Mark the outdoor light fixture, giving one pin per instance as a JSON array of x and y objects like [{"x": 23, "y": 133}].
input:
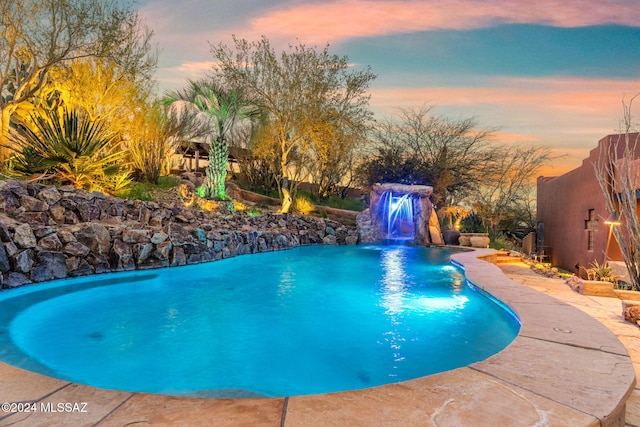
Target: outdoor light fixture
[{"x": 612, "y": 220}]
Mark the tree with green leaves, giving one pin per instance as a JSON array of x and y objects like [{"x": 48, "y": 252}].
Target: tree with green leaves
[
  {"x": 218, "y": 111},
  {"x": 39, "y": 35},
  {"x": 302, "y": 92}
]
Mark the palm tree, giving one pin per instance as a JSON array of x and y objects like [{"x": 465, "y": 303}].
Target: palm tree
[{"x": 218, "y": 110}]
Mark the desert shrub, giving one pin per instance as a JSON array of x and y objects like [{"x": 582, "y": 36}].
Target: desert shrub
[
  {"x": 70, "y": 148},
  {"x": 472, "y": 223},
  {"x": 303, "y": 205},
  {"x": 601, "y": 272}
]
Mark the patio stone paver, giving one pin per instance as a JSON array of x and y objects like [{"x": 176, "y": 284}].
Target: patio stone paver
[
  {"x": 462, "y": 397},
  {"x": 18, "y": 385},
  {"x": 607, "y": 311},
  {"x": 81, "y": 406},
  {"x": 593, "y": 378},
  {"x": 148, "y": 409}
]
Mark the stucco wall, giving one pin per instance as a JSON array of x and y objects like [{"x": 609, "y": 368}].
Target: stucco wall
[{"x": 563, "y": 206}]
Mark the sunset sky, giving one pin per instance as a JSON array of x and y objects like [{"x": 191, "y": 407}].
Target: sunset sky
[{"x": 551, "y": 72}]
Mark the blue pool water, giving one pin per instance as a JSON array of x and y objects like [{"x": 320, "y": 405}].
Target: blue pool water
[{"x": 308, "y": 320}]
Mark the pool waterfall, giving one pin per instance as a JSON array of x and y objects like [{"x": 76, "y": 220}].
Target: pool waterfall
[
  {"x": 400, "y": 213},
  {"x": 397, "y": 212}
]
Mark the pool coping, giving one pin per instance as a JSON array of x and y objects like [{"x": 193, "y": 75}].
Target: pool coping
[{"x": 563, "y": 368}]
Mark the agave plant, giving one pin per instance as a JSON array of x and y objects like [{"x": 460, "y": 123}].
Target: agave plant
[
  {"x": 68, "y": 147},
  {"x": 602, "y": 272}
]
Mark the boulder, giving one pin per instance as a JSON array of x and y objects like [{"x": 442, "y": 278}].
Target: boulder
[
  {"x": 142, "y": 251},
  {"x": 95, "y": 237},
  {"x": 4, "y": 233},
  {"x": 76, "y": 249},
  {"x": 31, "y": 204},
  {"x": 121, "y": 256},
  {"x": 4, "y": 260},
  {"x": 178, "y": 234},
  {"x": 50, "y": 266},
  {"x": 50, "y": 243},
  {"x": 631, "y": 311},
  {"x": 81, "y": 268},
  {"x": 49, "y": 195},
  {"x": 178, "y": 256},
  {"x": 159, "y": 237},
  {"x": 136, "y": 236},
  {"x": 163, "y": 250},
  {"x": 23, "y": 261},
  {"x": 23, "y": 237},
  {"x": 15, "y": 279},
  {"x": 57, "y": 214}
]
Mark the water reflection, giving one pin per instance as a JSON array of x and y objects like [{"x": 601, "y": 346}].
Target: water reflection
[
  {"x": 393, "y": 280},
  {"x": 287, "y": 282},
  {"x": 403, "y": 295},
  {"x": 394, "y": 289}
]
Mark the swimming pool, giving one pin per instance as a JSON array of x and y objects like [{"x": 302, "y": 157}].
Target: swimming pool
[{"x": 307, "y": 320}]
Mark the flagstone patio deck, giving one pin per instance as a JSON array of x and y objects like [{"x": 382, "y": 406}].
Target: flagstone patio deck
[{"x": 567, "y": 367}]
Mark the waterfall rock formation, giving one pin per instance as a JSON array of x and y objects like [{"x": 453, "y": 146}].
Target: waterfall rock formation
[{"x": 400, "y": 212}]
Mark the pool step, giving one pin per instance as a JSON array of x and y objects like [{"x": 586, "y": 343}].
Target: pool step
[{"x": 508, "y": 257}]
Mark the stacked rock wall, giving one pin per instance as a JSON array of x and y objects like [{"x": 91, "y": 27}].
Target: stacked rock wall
[{"x": 51, "y": 233}]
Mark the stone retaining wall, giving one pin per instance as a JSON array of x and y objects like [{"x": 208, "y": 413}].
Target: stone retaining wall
[{"x": 51, "y": 233}]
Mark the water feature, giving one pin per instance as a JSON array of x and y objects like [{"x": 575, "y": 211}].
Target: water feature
[
  {"x": 400, "y": 212},
  {"x": 307, "y": 320},
  {"x": 397, "y": 214}
]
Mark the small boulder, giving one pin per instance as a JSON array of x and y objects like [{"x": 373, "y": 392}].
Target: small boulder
[
  {"x": 23, "y": 237},
  {"x": 31, "y": 204},
  {"x": 50, "y": 266}
]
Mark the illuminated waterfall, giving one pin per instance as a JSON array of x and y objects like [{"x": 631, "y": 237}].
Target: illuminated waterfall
[{"x": 398, "y": 216}]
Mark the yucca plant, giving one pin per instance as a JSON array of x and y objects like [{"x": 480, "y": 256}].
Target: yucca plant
[
  {"x": 68, "y": 147},
  {"x": 602, "y": 272}
]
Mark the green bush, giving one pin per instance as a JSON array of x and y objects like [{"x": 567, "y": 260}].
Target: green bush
[
  {"x": 601, "y": 272},
  {"x": 144, "y": 190},
  {"x": 168, "y": 181},
  {"x": 347, "y": 203},
  {"x": 500, "y": 243},
  {"x": 472, "y": 223},
  {"x": 136, "y": 191}
]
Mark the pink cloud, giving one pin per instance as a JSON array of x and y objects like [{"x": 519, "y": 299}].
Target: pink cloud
[
  {"x": 568, "y": 114},
  {"x": 338, "y": 20},
  {"x": 192, "y": 68},
  {"x": 561, "y": 94}
]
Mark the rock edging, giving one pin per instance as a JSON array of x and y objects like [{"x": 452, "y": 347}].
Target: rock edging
[{"x": 51, "y": 233}]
